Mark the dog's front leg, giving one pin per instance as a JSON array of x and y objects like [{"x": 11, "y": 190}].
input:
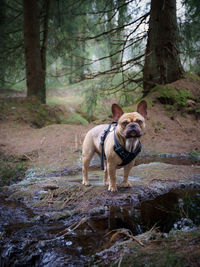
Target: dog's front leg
[
  {"x": 112, "y": 177},
  {"x": 127, "y": 169},
  {"x": 105, "y": 178}
]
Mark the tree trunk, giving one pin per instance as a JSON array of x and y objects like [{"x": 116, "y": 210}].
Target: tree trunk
[
  {"x": 110, "y": 25},
  {"x": 35, "y": 74},
  {"x": 45, "y": 34},
  {"x": 71, "y": 70},
  {"x": 2, "y": 43},
  {"x": 44, "y": 42},
  {"x": 162, "y": 63}
]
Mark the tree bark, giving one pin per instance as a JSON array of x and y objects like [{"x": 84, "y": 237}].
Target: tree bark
[
  {"x": 2, "y": 43},
  {"x": 45, "y": 39},
  {"x": 162, "y": 63},
  {"x": 35, "y": 73}
]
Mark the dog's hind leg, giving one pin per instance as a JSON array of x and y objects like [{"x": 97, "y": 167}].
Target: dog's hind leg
[
  {"x": 87, "y": 154},
  {"x": 86, "y": 158},
  {"x": 86, "y": 162}
]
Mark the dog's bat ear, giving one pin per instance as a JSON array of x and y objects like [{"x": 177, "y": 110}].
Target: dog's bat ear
[
  {"x": 142, "y": 108},
  {"x": 117, "y": 112}
]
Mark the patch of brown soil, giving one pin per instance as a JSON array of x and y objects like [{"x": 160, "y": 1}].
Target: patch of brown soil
[
  {"x": 49, "y": 145},
  {"x": 175, "y": 134},
  {"x": 188, "y": 84}
]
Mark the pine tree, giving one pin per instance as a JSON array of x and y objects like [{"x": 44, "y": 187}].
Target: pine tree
[
  {"x": 35, "y": 54},
  {"x": 162, "y": 64}
]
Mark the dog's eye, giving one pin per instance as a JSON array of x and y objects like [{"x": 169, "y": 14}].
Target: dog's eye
[
  {"x": 124, "y": 123},
  {"x": 139, "y": 122}
]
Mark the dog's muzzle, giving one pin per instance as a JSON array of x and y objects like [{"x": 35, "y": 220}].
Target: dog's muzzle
[{"x": 133, "y": 130}]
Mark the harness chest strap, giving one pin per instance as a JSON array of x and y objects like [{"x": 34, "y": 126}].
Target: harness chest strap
[{"x": 125, "y": 155}]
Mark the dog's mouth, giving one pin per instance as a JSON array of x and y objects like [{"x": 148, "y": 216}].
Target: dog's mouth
[{"x": 133, "y": 133}]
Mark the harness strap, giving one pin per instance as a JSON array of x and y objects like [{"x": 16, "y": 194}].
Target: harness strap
[
  {"x": 125, "y": 155},
  {"x": 103, "y": 137}
]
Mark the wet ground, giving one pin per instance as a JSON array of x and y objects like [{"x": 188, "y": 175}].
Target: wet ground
[
  {"x": 27, "y": 241},
  {"x": 174, "y": 159},
  {"x": 52, "y": 220}
]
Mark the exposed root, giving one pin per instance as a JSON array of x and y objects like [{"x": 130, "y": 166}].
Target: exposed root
[{"x": 125, "y": 232}]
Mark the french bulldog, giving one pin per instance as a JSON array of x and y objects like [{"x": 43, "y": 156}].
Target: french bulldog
[{"x": 128, "y": 130}]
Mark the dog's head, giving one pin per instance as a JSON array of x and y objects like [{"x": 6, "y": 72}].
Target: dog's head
[{"x": 130, "y": 125}]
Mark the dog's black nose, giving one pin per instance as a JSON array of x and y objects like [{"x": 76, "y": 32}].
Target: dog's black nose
[{"x": 132, "y": 126}]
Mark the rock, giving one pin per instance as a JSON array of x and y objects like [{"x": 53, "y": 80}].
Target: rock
[
  {"x": 191, "y": 103},
  {"x": 50, "y": 187}
]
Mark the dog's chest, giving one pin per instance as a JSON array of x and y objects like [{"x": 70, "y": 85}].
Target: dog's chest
[{"x": 131, "y": 144}]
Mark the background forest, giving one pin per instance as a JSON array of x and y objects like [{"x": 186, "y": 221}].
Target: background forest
[
  {"x": 63, "y": 63},
  {"x": 120, "y": 46}
]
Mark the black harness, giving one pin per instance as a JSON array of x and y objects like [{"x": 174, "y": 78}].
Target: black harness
[{"x": 125, "y": 155}]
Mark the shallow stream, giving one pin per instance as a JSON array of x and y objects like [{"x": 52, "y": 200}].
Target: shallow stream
[{"x": 26, "y": 241}]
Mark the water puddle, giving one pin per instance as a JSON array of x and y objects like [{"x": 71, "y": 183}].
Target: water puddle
[
  {"x": 13, "y": 211},
  {"x": 176, "y": 210},
  {"x": 174, "y": 159},
  {"x": 27, "y": 242}
]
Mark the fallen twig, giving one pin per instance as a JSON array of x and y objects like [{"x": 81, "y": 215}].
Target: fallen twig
[
  {"x": 28, "y": 157},
  {"x": 125, "y": 232},
  {"x": 69, "y": 230},
  {"x": 120, "y": 260}
]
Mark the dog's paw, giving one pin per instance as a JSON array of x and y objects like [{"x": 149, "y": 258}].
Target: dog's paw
[
  {"x": 112, "y": 188},
  {"x": 105, "y": 183},
  {"x": 125, "y": 184},
  {"x": 85, "y": 183}
]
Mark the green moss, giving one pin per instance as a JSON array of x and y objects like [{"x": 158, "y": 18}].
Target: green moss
[
  {"x": 195, "y": 156},
  {"x": 11, "y": 171},
  {"x": 63, "y": 214},
  {"x": 31, "y": 112},
  {"x": 157, "y": 88},
  {"x": 173, "y": 96},
  {"x": 75, "y": 118},
  {"x": 192, "y": 76},
  {"x": 149, "y": 102},
  {"x": 129, "y": 109}
]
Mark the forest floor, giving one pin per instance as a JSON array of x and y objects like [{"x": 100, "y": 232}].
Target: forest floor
[{"x": 38, "y": 144}]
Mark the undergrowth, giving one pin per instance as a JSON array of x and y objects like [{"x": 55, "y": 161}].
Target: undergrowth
[
  {"x": 172, "y": 96},
  {"x": 179, "y": 249},
  {"x": 38, "y": 115},
  {"x": 12, "y": 170}
]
